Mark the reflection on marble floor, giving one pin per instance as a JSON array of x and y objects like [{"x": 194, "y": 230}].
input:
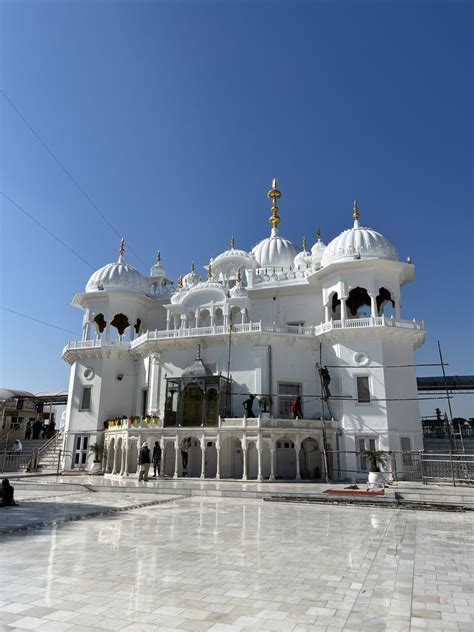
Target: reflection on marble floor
[{"x": 240, "y": 564}]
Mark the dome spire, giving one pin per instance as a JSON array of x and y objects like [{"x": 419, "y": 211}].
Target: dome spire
[
  {"x": 209, "y": 273},
  {"x": 158, "y": 257},
  {"x": 355, "y": 214},
  {"x": 304, "y": 244},
  {"x": 193, "y": 266},
  {"x": 121, "y": 250},
  {"x": 274, "y": 194},
  {"x": 318, "y": 234},
  {"x": 232, "y": 243}
]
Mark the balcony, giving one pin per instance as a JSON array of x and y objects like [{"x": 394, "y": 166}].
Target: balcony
[
  {"x": 76, "y": 349},
  {"x": 92, "y": 348}
]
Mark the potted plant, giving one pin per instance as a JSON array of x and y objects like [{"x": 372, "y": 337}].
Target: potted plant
[
  {"x": 156, "y": 419},
  {"x": 265, "y": 401},
  {"x": 376, "y": 459},
  {"x": 98, "y": 450}
]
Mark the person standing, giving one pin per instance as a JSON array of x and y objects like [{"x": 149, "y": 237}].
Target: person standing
[
  {"x": 156, "y": 459},
  {"x": 37, "y": 426},
  {"x": 28, "y": 431},
  {"x": 296, "y": 408},
  {"x": 248, "y": 406},
  {"x": 144, "y": 462},
  {"x": 185, "y": 446}
]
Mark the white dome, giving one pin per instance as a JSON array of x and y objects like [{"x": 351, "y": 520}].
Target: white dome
[
  {"x": 302, "y": 259},
  {"x": 359, "y": 241},
  {"x": 232, "y": 252},
  {"x": 118, "y": 277},
  {"x": 238, "y": 291},
  {"x": 275, "y": 251},
  {"x": 158, "y": 270},
  {"x": 190, "y": 279}
]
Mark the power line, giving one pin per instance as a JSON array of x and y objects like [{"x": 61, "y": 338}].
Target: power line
[
  {"x": 69, "y": 174},
  {"x": 33, "y": 219},
  {"x": 36, "y": 320}
]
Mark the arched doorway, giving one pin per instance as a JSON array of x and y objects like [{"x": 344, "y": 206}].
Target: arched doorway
[
  {"x": 211, "y": 407},
  {"x": 358, "y": 303},
  {"x": 192, "y": 447},
  {"x": 311, "y": 465},
  {"x": 252, "y": 461},
  {"x": 385, "y": 303},
  {"x": 192, "y": 406},
  {"x": 118, "y": 457},
  {"x": 210, "y": 460},
  {"x": 167, "y": 459},
  {"x": 132, "y": 457},
  {"x": 231, "y": 458},
  {"x": 110, "y": 456},
  {"x": 285, "y": 458}
]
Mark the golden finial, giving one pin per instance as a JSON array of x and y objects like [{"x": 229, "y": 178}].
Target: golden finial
[
  {"x": 180, "y": 282},
  {"x": 122, "y": 247},
  {"x": 239, "y": 278},
  {"x": 209, "y": 273},
  {"x": 232, "y": 243},
  {"x": 193, "y": 267},
  {"x": 355, "y": 210},
  {"x": 158, "y": 257},
  {"x": 304, "y": 244},
  {"x": 274, "y": 195},
  {"x": 200, "y": 279},
  {"x": 318, "y": 234}
]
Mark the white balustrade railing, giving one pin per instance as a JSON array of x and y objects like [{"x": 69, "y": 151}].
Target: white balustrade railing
[{"x": 219, "y": 330}]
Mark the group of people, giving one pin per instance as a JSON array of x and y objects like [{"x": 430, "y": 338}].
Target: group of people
[
  {"x": 296, "y": 409},
  {"x": 146, "y": 458},
  {"x": 40, "y": 430}
]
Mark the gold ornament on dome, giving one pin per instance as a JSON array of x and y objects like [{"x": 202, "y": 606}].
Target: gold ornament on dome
[
  {"x": 318, "y": 234},
  {"x": 122, "y": 247},
  {"x": 355, "y": 211},
  {"x": 209, "y": 273},
  {"x": 274, "y": 194},
  {"x": 232, "y": 243},
  {"x": 158, "y": 257}
]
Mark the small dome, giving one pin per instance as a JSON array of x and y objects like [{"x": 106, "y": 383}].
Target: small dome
[
  {"x": 197, "y": 370},
  {"x": 303, "y": 258},
  {"x": 359, "y": 242},
  {"x": 157, "y": 270},
  {"x": 317, "y": 251},
  {"x": 190, "y": 279},
  {"x": 275, "y": 251},
  {"x": 118, "y": 277}
]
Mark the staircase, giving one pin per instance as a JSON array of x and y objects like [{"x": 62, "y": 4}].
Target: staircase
[
  {"x": 36, "y": 454},
  {"x": 50, "y": 453}
]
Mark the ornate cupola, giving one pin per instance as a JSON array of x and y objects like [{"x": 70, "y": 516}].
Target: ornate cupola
[
  {"x": 275, "y": 251},
  {"x": 118, "y": 277}
]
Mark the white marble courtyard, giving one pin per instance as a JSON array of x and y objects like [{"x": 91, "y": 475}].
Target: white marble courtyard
[{"x": 228, "y": 564}]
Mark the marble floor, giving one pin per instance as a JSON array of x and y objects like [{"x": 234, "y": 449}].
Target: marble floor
[{"x": 229, "y": 564}]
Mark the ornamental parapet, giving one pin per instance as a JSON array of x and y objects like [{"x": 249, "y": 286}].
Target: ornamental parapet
[{"x": 95, "y": 348}]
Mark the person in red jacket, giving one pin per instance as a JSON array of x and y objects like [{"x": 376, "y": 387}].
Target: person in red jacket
[{"x": 296, "y": 408}]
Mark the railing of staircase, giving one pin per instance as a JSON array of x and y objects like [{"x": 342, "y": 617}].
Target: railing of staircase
[{"x": 36, "y": 456}]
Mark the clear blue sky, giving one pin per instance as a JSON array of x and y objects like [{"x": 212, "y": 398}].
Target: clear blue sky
[{"x": 174, "y": 117}]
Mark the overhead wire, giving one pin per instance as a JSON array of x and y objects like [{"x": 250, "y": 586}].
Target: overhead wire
[
  {"x": 37, "y": 320},
  {"x": 50, "y": 233},
  {"x": 69, "y": 174}
]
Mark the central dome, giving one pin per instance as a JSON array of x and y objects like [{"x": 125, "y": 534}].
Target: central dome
[{"x": 275, "y": 251}]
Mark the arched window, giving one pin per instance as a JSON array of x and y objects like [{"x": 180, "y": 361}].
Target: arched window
[
  {"x": 335, "y": 306},
  {"x": 100, "y": 323},
  {"x": 385, "y": 303},
  {"x": 120, "y": 322},
  {"x": 357, "y": 300}
]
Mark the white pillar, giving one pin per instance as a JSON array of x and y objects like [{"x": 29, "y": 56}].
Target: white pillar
[
  {"x": 163, "y": 449},
  {"x": 398, "y": 315},
  {"x": 154, "y": 382},
  {"x": 176, "y": 457},
  {"x": 203, "y": 457},
  {"x": 242, "y": 314},
  {"x": 218, "y": 465},
  {"x": 114, "y": 466},
  {"x": 326, "y": 313},
  {"x": 124, "y": 468},
  {"x": 243, "y": 444},
  {"x": 259, "y": 464},
  {"x": 272, "y": 461},
  {"x": 343, "y": 309},
  {"x": 373, "y": 306},
  {"x": 297, "y": 452}
]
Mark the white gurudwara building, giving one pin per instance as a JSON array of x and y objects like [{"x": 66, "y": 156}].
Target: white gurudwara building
[{"x": 174, "y": 365}]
